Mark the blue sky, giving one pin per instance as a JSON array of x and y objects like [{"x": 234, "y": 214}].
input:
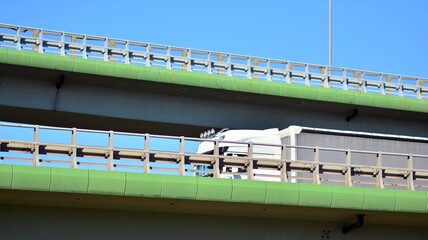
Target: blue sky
[{"x": 381, "y": 35}]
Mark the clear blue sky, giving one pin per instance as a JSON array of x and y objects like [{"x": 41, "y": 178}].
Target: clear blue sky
[{"x": 387, "y": 36}]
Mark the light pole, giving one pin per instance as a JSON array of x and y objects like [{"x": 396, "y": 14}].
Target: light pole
[{"x": 329, "y": 37}]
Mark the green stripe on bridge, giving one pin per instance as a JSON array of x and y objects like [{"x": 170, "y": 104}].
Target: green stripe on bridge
[
  {"x": 85, "y": 66},
  {"x": 127, "y": 184}
]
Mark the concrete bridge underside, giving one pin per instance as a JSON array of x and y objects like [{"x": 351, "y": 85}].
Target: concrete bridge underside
[
  {"x": 39, "y": 215},
  {"x": 36, "y": 95}
]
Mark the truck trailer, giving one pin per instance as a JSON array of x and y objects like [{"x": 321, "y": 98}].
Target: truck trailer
[{"x": 304, "y": 145}]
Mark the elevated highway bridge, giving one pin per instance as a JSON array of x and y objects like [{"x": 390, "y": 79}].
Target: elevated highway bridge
[{"x": 70, "y": 80}]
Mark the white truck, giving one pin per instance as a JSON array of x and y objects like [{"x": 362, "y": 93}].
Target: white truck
[{"x": 235, "y": 143}]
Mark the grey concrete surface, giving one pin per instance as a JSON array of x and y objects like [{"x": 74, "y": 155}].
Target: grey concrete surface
[
  {"x": 30, "y": 222},
  {"x": 152, "y": 107}
]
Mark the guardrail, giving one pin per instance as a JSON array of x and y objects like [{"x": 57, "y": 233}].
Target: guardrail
[
  {"x": 148, "y": 153},
  {"x": 210, "y": 62}
]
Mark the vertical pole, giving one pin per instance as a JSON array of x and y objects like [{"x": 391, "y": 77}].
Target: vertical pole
[
  {"x": 229, "y": 65},
  {"x": 382, "y": 85},
  {"x": 348, "y": 173},
  {"x": 220, "y": 70},
  {"x": 410, "y": 183},
  {"x": 420, "y": 95},
  {"x": 379, "y": 176},
  {"x": 209, "y": 63},
  {"x": 250, "y": 173},
  {"x": 345, "y": 80},
  {"x": 255, "y": 64},
  {"x": 168, "y": 58},
  {"x": 216, "y": 167},
  {"x": 400, "y": 90},
  {"x": 330, "y": 49},
  {"x": 325, "y": 81},
  {"x": 40, "y": 41},
  {"x": 111, "y": 47},
  {"x": 84, "y": 52},
  {"x": 110, "y": 165},
  {"x": 189, "y": 60},
  {"x": 73, "y": 52},
  {"x": 106, "y": 49},
  {"x": 147, "y": 153},
  {"x": 289, "y": 77},
  {"x": 18, "y": 38},
  {"x": 73, "y": 159},
  {"x": 307, "y": 79},
  {"x": 184, "y": 55},
  {"x": 269, "y": 71},
  {"x": 36, "y": 146},
  {"x": 284, "y": 177},
  {"x": 148, "y": 59},
  {"x": 35, "y": 36},
  {"x": 364, "y": 82},
  {"x": 316, "y": 173},
  {"x": 249, "y": 68},
  {"x": 181, "y": 164},
  {"x": 388, "y": 80},
  {"x": 356, "y": 86},
  {"x": 62, "y": 44},
  {"x": 127, "y": 61}
]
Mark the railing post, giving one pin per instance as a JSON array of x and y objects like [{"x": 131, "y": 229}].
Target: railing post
[
  {"x": 379, "y": 175},
  {"x": 356, "y": 86},
  {"x": 326, "y": 81},
  {"x": 210, "y": 64},
  {"x": 146, "y": 153},
  {"x": 284, "y": 177},
  {"x": 18, "y": 38},
  {"x": 168, "y": 58},
  {"x": 216, "y": 167},
  {"x": 73, "y": 52},
  {"x": 35, "y": 37},
  {"x": 36, "y": 147},
  {"x": 307, "y": 78},
  {"x": 249, "y": 68},
  {"x": 85, "y": 47},
  {"x": 127, "y": 61},
  {"x": 269, "y": 71},
  {"x": 229, "y": 65},
  {"x": 149, "y": 57},
  {"x": 110, "y": 165},
  {"x": 400, "y": 89},
  {"x": 105, "y": 50},
  {"x": 184, "y": 55},
  {"x": 345, "y": 80},
  {"x": 316, "y": 171},
  {"x": 250, "y": 163},
  {"x": 410, "y": 183},
  {"x": 419, "y": 86},
  {"x": 363, "y": 81},
  {"x": 189, "y": 60},
  {"x": 181, "y": 164},
  {"x": 40, "y": 42},
  {"x": 348, "y": 173},
  {"x": 382, "y": 85},
  {"x": 62, "y": 44},
  {"x": 288, "y": 77},
  {"x": 73, "y": 154},
  {"x": 111, "y": 47}
]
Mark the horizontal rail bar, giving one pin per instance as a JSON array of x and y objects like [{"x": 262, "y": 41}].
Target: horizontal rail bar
[{"x": 252, "y": 66}]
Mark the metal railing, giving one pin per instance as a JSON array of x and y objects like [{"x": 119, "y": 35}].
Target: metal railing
[
  {"x": 210, "y": 62},
  {"x": 158, "y": 154}
]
